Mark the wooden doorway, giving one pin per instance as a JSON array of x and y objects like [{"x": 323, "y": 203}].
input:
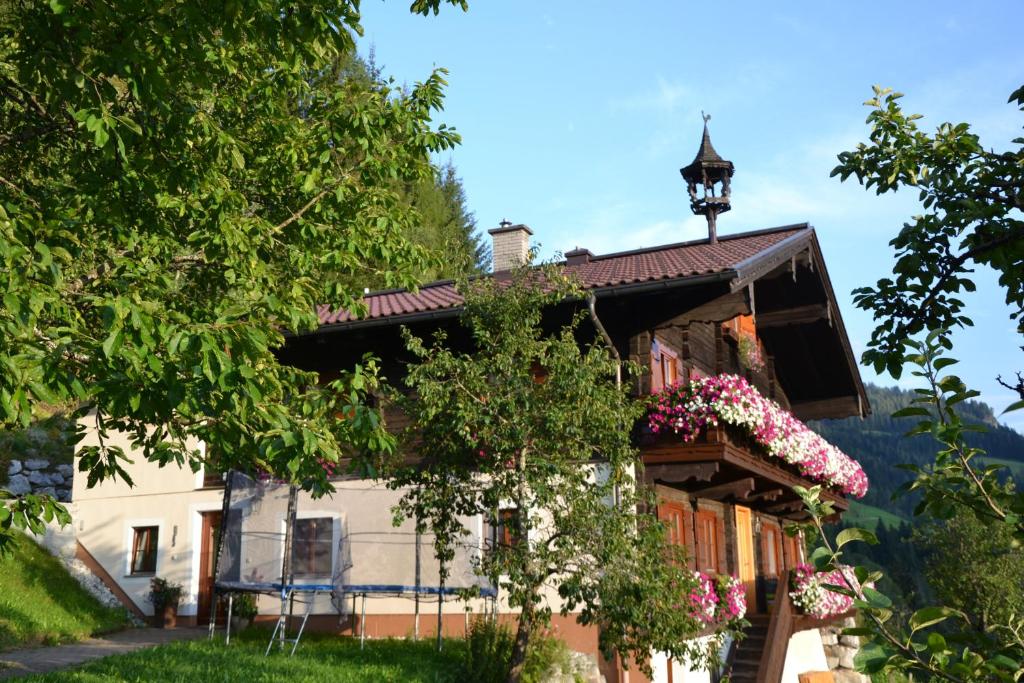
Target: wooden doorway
[
  {"x": 207, "y": 552},
  {"x": 745, "y": 555}
]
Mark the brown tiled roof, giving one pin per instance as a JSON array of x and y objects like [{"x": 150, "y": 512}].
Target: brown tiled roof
[{"x": 672, "y": 261}]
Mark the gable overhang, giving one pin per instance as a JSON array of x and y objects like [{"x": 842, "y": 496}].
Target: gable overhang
[{"x": 798, "y": 319}]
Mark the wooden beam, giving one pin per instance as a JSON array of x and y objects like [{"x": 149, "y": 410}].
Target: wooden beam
[
  {"x": 797, "y": 315},
  {"x": 841, "y": 406},
  {"x": 679, "y": 473},
  {"x": 739, "y": 488},
  {"x": 723, "y": 308},
  {"x": 788, "y": 506},
  {"x": 767, "y": 496},
  {"x": 760, "y": 466}
]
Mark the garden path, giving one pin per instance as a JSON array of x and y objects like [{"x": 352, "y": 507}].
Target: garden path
[{"x": 16, "y": 663}]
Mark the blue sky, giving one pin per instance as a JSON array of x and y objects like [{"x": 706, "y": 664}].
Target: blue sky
[{"x": 576, "y": 117}]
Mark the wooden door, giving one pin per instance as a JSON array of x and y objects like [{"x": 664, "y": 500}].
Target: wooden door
[
  {"x": 207, "y": 551},
  {"x": 745, "y": 555}
]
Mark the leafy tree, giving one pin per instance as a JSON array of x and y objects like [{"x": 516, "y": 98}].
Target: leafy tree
[
  {"x": 531, "y": 423},
  {"x": 972, "y": 200},
  {"x": 974, "y": 567},
  {"x": 180, "y": 183}
]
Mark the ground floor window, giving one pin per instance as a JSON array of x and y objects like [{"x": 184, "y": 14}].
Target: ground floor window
[
  {"x": 772, "y": 550},
  {"x": 312, "y": 546},
  {"x": 707, "y": 542},
  {"x": 506, "y": 528},
  {"x": 144, "y": 544}
]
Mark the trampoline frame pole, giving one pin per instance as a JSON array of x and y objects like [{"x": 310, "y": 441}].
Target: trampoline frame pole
[
  {"x": 227, "y": 625},
  {"x": 224, "y": 510},
  {"x": 416, "y": 619},
  {"x": 286, "y": 564},
  {"x": 362, "y": 626}
]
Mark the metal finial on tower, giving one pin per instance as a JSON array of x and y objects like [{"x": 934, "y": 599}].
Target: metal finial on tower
[{"x": 707, "y": 170}]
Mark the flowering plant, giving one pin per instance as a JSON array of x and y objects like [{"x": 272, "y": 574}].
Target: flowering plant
[
  {"x": 704, "y": 599},
  {"x": 687, "y": 409},
  {"x": 750, "y": 352},
  {"x": 732, "y": 603},
  {"x": 810, "y": 596},
  {"x": 720, "y": 600}
]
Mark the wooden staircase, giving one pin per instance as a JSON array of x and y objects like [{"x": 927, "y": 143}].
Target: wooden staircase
[
  {"x": 759, "y": 658},
  {"x": 746, "y": 658}
]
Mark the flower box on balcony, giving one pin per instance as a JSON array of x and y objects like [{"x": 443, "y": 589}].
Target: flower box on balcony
[{"x": 727, "y": 409}]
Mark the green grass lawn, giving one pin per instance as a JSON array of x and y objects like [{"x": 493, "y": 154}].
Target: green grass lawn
[
  {"x": 41, "y": 604},
  {"x": 319, "y": 658},
  {"x": 869, "y": 516}
]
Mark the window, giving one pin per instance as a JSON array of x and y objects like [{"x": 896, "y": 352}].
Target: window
[
  {"x": 671, "y": 515},
  {"x": 664, "y": 368},
  {"x": 144, "y": 540},
  {"x": 707, "y": 542},
  {"x": 506, "y": 529},
  {"x": 772, "y": 551},
  {"x": 793, "y": 548},
  {"x": 312, "y": 546}
]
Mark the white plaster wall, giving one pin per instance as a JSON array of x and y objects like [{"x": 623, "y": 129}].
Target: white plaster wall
[
  {"x": 804, "y": 654},
  {"x": 172, "y": 499},
  {"x": 682, "y": 672}
]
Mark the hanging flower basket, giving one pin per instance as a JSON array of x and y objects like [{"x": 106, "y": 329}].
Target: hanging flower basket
[{"x": 691, "y": 409}]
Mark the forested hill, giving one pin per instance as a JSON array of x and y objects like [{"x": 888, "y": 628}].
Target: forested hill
[{"x": 877, "y": 442}]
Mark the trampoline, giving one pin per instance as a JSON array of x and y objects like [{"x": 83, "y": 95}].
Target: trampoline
[{"x": 276, "y": 540}]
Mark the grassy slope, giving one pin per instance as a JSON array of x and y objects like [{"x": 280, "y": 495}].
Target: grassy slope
[
  {"x": 1015, "y": 466},
  {"x": 869, "y": 516},
  {"x": 40, "y": 603},
  {"x": 319, "y": 658}
]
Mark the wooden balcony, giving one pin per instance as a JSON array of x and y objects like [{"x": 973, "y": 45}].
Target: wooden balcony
[{"x": 724, "y": 464}]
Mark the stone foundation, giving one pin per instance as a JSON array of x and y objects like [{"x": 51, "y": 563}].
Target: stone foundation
[{"x": 840, "y": 651}]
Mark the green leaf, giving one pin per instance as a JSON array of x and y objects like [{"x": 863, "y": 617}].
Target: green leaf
[
  {"x": 875, "y": 599},
  {"x": 854, "y": 534},
  {"x": 930, "y": 616},
  {"x": 1016, "y": 405},
  {"x": 112, "y": 343}
]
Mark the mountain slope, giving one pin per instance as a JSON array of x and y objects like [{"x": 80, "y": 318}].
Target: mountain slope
[{"x": 877, "y": 442}]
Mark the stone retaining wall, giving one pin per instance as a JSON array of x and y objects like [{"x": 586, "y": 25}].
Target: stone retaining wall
[
  {"x": 36, "y": 475},
  {"x": 840, "y": 651}
]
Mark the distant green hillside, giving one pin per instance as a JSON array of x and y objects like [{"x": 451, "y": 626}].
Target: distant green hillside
[
  {"x": 40, "y": 603},
  {"x": 877, "y": 442}
]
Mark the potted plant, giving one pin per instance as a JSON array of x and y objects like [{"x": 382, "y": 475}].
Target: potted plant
[
  {"x": 164, "y": 595},
  {"x": 243, "y": 610}
]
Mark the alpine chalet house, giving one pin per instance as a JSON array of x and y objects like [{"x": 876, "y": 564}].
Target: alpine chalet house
[{"x": 747, "y": 320}]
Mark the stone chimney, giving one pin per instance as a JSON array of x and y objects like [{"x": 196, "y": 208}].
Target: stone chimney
[{"x": 510, "y": 245}]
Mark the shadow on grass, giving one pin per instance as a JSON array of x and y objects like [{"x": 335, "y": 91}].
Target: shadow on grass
[{"x": 319, "y": 658}]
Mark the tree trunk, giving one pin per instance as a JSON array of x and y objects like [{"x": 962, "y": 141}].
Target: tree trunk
[{"x": 523, "y": 633}]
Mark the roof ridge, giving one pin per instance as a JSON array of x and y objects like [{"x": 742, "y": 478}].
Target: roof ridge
[
  {"x": 602, "y": 257},
  {"x": 702, "y": 240}
]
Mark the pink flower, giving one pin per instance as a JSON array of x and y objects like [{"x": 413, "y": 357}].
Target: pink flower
[{"x": 689, "y": 408}]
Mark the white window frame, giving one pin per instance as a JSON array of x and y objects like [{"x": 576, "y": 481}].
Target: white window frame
[{"x": 129, "y": 542}]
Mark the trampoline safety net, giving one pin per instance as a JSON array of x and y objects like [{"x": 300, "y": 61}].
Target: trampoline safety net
[{"x": 345, "y": 542}]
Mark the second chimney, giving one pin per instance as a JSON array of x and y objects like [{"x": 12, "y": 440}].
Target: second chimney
[{"x": 510, "y": 245}]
